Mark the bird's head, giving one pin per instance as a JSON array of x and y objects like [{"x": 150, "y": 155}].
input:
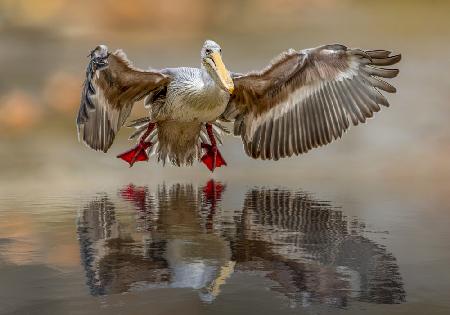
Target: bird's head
[{"x": 212, "y": 61}]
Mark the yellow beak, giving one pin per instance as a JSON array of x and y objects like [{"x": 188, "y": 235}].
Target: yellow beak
[{"x": 222, "y": 72}]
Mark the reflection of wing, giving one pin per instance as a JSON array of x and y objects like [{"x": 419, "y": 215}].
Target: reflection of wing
[
  {"x": 113, "y": 263},
  {"x": 96, "y": 223},
  {"x": 111, "y": 88},
  {"x": 305, "y": 243},
  {"x": 304, "y": 99}
]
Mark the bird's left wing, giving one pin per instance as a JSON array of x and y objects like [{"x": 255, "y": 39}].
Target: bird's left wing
[
  {"x": 111, "y": 87},
  {"x": 305, "y": 99}
]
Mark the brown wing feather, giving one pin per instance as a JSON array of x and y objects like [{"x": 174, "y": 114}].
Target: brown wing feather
[
  {"x": 111, "y": 88},
  {"x": 305, "y": 99}
]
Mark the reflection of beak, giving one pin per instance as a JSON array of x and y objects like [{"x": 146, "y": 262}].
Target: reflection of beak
[
  {"x": 222, "y": 72},
  {"x": 225, "y": 272}
]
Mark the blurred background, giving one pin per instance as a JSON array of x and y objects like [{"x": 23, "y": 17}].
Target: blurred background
[{"x": 44, "y": 43}]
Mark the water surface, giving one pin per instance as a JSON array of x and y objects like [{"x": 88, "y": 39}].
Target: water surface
[{"x": 219, "y": 247}]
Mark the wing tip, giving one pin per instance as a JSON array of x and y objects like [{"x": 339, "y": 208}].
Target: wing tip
[
  {"x": 92, "y": 143},
  {"x": 386, "y": 61}
]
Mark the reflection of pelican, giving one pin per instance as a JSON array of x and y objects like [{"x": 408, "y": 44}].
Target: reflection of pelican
[
  {"x": 169, "y": 254},
  {"x": 180, "y": 237}
]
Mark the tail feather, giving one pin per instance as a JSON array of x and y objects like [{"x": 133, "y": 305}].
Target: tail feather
[{"x": 176, "y": 142}]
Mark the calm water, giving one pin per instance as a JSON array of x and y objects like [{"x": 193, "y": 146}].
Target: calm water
[{"x": 224, "y": 246}]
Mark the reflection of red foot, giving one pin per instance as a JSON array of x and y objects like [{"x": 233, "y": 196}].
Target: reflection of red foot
[
  {"x": 212, "y": 191},
  {"x": 135, "y": 194},
  {"x": 136, "y": 154},
  {"x": 212, "y": 158},
  {"x": 212, "y": 194}
]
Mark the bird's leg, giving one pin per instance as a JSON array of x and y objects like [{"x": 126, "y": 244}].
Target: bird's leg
[
  {"x": 139, "y": 153},
  {"x": 212, "y": 158}
]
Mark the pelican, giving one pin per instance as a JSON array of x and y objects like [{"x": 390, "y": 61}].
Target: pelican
[{"x": 304, "y": 99}]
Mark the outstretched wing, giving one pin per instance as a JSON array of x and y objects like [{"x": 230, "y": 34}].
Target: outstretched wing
[
  {"x": 305, "y": 99},
  {"x": 111, "y": 88}
]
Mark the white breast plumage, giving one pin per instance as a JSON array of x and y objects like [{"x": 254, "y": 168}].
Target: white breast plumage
[{"x": 193, "y": 96}]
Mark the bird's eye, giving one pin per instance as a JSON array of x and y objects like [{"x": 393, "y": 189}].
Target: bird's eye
[{"x": 208, "y": 51}]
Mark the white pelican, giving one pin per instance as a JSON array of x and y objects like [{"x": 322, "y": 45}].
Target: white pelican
[{"x": 302, "y": 100}]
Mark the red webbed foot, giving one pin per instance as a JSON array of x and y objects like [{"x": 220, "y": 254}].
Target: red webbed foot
[
  {"x": 136, "y": 154},
  {"x": 212, "y": 158},
  {"x": 139, "y": 153}
]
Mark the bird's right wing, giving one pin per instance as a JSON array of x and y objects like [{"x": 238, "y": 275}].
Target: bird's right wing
[{"x": 111, "y": 87}]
